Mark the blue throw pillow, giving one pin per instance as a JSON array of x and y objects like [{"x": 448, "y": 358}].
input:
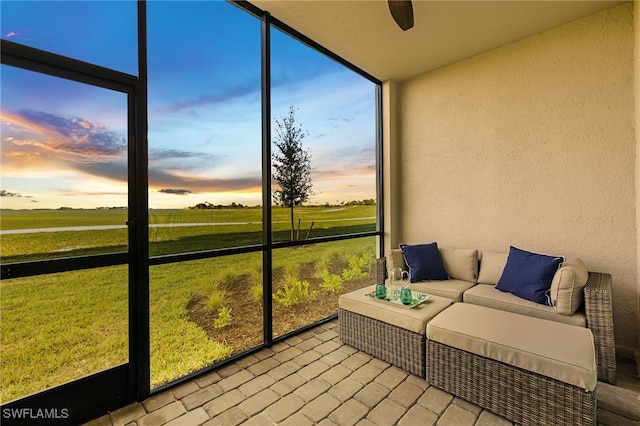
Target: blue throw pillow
[
  {"x": 424, "y": 262},
  {"x": 529, "y": 275}
]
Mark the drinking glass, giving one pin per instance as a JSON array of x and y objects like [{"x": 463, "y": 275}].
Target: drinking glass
[
  {"x": 405, "y": 296},
  {"x": 396, "y": 283},
  {"x": 381, "y": 291}
]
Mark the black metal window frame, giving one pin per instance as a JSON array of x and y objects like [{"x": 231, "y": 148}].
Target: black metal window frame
[
  {"x": 120, "y": 384},
  {"x": 268, "y": 245},
  {"x": 44, "y": 62}
]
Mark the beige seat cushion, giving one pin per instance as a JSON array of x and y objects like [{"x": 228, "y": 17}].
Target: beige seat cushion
[
  {"x": 487, "y": 295},
  {"x": 491, "y": 266},
  {"x": 461, "y": 264},
  {"x": 414, "y": 319},
  {"x": 451, "y": 289},
  {"x": 566, "y": 287},
  {"x": 559, "y": 351}
]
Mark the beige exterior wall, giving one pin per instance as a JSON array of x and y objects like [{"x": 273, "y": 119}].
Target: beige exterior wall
[
  {"x": 636, "y": 13},
  {"x": 531, "y": 145},
  {"x": 390, "y": 160}
]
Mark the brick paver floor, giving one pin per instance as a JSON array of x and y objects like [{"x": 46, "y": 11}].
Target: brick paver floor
[{"x": 308, "y": 379}]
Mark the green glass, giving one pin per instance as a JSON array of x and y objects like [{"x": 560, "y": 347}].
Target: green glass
[
  {"x": 405, "y": 296},
  {"x": 381, "y": 291}
]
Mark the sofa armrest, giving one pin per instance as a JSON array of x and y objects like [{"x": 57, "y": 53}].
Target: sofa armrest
[
  {"x": 381, "y": 270},
  {"x": 599, "y": 312}
]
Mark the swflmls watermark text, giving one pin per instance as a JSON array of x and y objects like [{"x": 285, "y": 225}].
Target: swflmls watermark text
[{"x": 35, "y": 413}]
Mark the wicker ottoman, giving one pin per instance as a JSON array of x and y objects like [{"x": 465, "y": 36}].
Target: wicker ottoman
[
  {"x": 393, "y": 333},
  {"x": 529, "y": 370}
]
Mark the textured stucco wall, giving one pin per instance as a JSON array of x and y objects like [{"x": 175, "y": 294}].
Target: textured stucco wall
[
  {"x": 390, "y": 159},
  {"x": 531, "y": 145},
  {"x": 636, "y": 13}
]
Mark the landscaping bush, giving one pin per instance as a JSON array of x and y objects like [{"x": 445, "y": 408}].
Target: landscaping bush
[
  {"x": 332, "y": 283},
  {"x": 224, "y": 317},
  {"x": 358, "y": 267},
  {"x": 217, "y": 297},
  {"x": 294, "y": 291}
]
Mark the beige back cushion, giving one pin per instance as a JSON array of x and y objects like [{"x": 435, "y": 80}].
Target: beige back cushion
[
  {"x": 491, "y": 266},
  {"x": 567, "y": 285},
  {"x": 460, "y": 264},
  {"x": 395, "y": 259}
]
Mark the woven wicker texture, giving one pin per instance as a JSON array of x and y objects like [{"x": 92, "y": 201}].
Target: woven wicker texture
[
  {"x": 521, "y": 396},
  {"x": 403, "y": 348},
  {"x": 597, "y": 302}
]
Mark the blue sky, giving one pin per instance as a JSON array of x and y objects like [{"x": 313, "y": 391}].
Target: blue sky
[{"x": 63, "y": 143}]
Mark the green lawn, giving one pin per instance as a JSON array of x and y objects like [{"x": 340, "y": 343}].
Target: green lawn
[
  {"x": 244, "y": 229},
  {"x": 27, "y": 219},
  {"x": 60, "y": 327}
]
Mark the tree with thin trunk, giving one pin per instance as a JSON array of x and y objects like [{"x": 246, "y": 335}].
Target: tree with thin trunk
[{"x": 291, "y": 165}]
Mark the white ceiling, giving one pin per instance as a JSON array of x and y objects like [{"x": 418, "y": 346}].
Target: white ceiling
[{"x": 445, "y": 31}]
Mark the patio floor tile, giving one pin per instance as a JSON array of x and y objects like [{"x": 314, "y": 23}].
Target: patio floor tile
[
  {"x": 335, "y": 374},
  {"x": 356, "y": 360},
  {"x": 288, "y": 384},
  {"x": 365, "y": 374},
  {"x": 298, "y": 419},
  {"x": 320, "y": 407},
  {"x": 309, "y": 379},
  {"x": 392, "y": 377},
  {"x": 284, "y": 407},
  {"x": 127, "y": 414},
  {"x": 158, "y": 401},
  {"x": 313, "y": 370},
  {"x": 349, "y": 413},
  {"x": 418, "y": 415},
  {"x": 287, "y": 354},
  {"x": 372, "y": 394},
  {"x": 335, "y": 357},
  {"x": 387, "y": 412},
  {"x": 312, "y": 389},
  {"x": 232, "y": 417},
  {"x": 201, "y": 397},
  {"x": 191, "y": 418},
  {"x": 259, "y": 402},
  {"x": 236, "y": 380},
  {"x": 163, "y": 415},
  {"x": 223, "y": 402},
  {"x": 406, "y": 394},
  {"x": 435, "y": 400},
  {"x": 455, "y": 415}
]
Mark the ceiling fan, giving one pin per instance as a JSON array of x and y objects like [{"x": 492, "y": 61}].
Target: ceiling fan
[{"x": 402, "y": 12}]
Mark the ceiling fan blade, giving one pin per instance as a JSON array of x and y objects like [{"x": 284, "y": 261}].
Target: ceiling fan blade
[{"x": 402, "y": 12}]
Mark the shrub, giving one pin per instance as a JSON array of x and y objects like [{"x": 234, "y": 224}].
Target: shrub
[
  {"x": 224, "y": 317},
  {"x": 217, "y": 297},
  {"x": 331, "y": 282},
  {"x": 294, "y": 292},
  {"x": 255, "y": 285},
  {"x": 228, "y": 275},
  {"x": 255, "y": 291},
  {"x": 358, "y": 267}
]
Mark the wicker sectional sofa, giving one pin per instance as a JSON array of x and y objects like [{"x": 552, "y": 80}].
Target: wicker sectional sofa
[
  {"x": 529, "y": 362},
  {"x": 473, "y": 275}
]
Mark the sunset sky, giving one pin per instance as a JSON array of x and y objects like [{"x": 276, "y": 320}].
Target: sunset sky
[{"x": 65, "y": 144}]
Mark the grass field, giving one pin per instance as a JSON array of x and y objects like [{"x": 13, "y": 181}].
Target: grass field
[
  {"x": 229, "y": 228},
  {"x": 61, "y": 327}
]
